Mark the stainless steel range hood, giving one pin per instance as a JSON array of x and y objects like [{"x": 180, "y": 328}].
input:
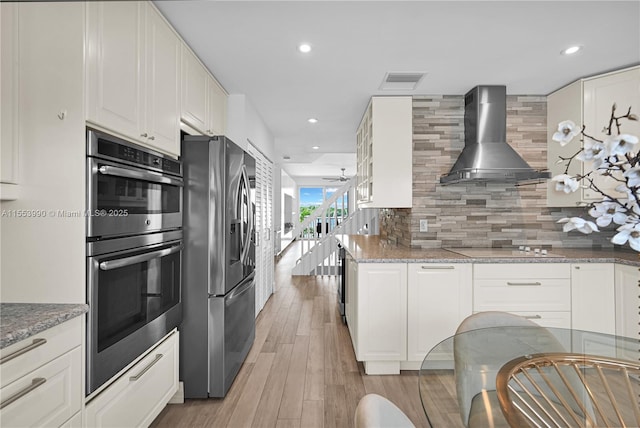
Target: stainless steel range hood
[{"x": 486, "y": 155}]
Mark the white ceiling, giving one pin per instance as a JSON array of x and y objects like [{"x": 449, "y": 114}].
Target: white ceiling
[{"x": 251, "y": 48}]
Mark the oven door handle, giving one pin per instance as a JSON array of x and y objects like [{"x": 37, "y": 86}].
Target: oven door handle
[
  {"x": 127, "y": 261},
  {"x": 139, "y": 175}
]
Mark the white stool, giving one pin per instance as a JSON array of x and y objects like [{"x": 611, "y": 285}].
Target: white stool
[{"x": 376, "y": 411}]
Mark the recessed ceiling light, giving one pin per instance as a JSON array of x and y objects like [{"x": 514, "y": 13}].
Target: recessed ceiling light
[
  {"x": 312, "y": 120},
  {"x": 571, "y": 50},
  {"x": 315, "y": 147},
  {"x": 304, "y": 48}
]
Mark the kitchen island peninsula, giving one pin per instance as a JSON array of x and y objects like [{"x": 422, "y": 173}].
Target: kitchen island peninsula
[{"x": 401, "y": 302}]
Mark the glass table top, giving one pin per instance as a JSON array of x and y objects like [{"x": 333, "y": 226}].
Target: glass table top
[{"x": 462, "y": 392}]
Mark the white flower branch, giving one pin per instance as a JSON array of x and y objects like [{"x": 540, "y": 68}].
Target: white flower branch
[{"x": 613, "y": 157}]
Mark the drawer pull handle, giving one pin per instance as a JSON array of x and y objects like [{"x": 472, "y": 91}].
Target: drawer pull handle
[
  {"x": 437, "y": 267},
  {"x": 34, "y": 384},
  {"x": 146, "y": 369},
  {"x": 34, "y": 344},
  {"x": 533, "y": 317},
  {"x": 524, "y": 283}
]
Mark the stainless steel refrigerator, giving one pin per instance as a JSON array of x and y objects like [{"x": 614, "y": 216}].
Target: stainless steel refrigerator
[{"x": 218, "y": 290}]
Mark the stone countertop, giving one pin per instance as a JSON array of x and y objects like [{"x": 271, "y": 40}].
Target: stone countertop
[
  {"x": 372, "y": 249},
  {"x": 19, "y": 321}
]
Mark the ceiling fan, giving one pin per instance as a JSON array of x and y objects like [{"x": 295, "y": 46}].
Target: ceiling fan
[{"x": 341, "y": 178}]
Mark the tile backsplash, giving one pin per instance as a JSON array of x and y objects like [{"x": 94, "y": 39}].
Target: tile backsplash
[{"x": 479, "y": 214}]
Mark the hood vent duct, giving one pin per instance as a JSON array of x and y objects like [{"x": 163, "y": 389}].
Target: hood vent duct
[{"x": 486, "y": 155}]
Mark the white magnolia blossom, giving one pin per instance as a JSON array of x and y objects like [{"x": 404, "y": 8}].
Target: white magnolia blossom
[
  {"x": 622, "y": 144},
  {"x": 633, "y": 176},
  {"x": 594, "y": 151},
  {"x": 566, "y": 183},
  {"x": 579, "y": 224},
  {"x": 628, "y": 233},
  {"x": 607, "y": 211},
  {"x": 615, "y": 159},
  {"x": 631, "y": 202},
  {"x": 567, "y": 130}
]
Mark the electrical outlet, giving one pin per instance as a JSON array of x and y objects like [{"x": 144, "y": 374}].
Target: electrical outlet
[{"x": 424, "y": 225}]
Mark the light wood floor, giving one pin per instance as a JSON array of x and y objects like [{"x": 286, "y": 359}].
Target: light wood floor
[{"x": 301, "y": 371}]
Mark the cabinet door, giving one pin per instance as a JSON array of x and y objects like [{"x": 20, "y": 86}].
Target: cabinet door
[
  {"x": 593, "y": 297},
  {"x": 9, "y": 93},
  {"x": 162, "y": 106},
  {"x": 564, "y": 104},
  {"x": 439, "y": 298},
  {"x": 194, "y": 91},
  {"x": 600, "y": 93},
  {"x": 627, "y": 282},
  {"x": 382, "y": 311},
  {"x": 115, "y": 66},
  {"x": 217, "y": 112}
]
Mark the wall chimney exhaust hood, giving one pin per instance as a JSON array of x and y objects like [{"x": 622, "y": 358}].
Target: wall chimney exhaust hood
[{"x": 486, "y": 155}]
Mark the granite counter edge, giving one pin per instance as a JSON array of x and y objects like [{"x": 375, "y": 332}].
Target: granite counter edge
[
  {"x": 47, "y": 320},
  {"x": 501, "y": 260}
]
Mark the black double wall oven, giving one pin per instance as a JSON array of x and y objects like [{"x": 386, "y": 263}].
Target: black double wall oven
[{"x": 134, "y": 252}]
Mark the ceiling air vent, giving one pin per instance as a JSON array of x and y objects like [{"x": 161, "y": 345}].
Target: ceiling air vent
[{"x": 401, "y": 81}]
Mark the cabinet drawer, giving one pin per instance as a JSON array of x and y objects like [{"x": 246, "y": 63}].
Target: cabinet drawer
[
  {"x": 45, "y": 346},
  {"x": 56, "y": 394},
  {"x": 140, "y": 394},
  {"x": 548, "y": 319},
  {"x": 521, "y": 270},
  {"x": 526, "y": 294}
]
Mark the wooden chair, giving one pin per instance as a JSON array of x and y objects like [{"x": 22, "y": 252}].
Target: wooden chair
[{"x": 540, "y": 391}]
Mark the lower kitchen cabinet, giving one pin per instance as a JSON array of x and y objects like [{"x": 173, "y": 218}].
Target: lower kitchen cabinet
[
  {"x": 593, "y": 297},
  {"x": 627, "y": 289},
  {"x": 380, "y": 332},
  {"x": 42, "y": 382},
  {"x": 438, "y": 299},
  {"x": 540, "y": 292},
  {"x": 139, "y": 395}
]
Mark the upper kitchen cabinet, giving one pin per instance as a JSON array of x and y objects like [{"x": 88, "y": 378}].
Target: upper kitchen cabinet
[
  {"x": 588, "y": 102},
  {"x": 204, "y": 102},
  {"x": 384, "y": 154},
  {"x": 133, "y": 73}
]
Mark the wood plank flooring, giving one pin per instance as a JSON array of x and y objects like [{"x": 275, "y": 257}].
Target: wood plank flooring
[{"x": 301, "y": 371}]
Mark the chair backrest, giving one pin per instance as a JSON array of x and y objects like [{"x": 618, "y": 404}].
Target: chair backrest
[
  {"x": 607, "y": 396},
  {"x": 471, "y": 351},
  {"x": 375, "y": 411}
]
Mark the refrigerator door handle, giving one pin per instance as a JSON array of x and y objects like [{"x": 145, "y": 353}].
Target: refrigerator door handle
[
  {"x": 247, "y": 243},
  {"x": 242, "y": 288}
]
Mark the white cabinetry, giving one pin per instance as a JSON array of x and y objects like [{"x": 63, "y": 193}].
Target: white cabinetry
[
  {"x": 627, "y": 288},
  {"x": 140, "y": 394},
  {"x": 564, "y": 104},
  {"x": 43, "y": 386},
  {"x": 588, "y": 102},
  {"x": 593, "y": 297},
  {"x": 350, "y": 299},
  {"x": 384, "y": 154},
  {"x": 438, "y": 299},
  {"x": 9, "y": 85},
  {"x": 133, "y": 73},
  {"x": 380, "y": 332},
  {"x": 538, "y": 291},
  {"x": 204, "y": 102}
]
